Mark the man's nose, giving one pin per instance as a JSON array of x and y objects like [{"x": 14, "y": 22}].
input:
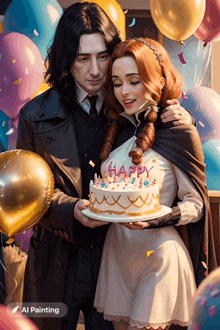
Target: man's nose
[{"x": 94, "y": 67}]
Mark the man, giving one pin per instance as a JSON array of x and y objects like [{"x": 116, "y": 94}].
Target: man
[{"x": 66, "y": 247}]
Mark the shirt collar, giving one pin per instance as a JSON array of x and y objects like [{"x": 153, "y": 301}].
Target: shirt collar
[{"x": 82, "y": 94}]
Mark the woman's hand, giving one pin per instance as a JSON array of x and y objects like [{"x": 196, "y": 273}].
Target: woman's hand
[
  {"x": 175, "y": 113},
  {"x": 139, "y": 225},
  {"x": 86, "y": 221}
]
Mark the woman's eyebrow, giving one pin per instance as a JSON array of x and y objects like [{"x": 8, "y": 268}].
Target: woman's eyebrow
[{"x": 127, "y": 75}]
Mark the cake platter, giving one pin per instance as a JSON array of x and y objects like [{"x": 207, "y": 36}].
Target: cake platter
[{"x": 164, "y": 210}]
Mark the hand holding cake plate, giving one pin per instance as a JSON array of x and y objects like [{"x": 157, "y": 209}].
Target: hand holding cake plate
[{"x": 164, "y": 210}]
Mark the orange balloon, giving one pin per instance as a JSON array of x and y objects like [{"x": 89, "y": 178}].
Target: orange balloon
[
  {"x": 177, "y": 20},
  {"x": 26, "y": 190},
  {"x": 115, "y": 13}
]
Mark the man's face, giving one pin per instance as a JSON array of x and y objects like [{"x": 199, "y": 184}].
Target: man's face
[{"x": 91, "y": 63}]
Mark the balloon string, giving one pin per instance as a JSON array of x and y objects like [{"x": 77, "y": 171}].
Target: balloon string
[
  {"x": 207, "y": 63},
  {"x": 16, "y": 283},
  {"x": 197, "y": 55},
  {"x": 183, "y": 71}
]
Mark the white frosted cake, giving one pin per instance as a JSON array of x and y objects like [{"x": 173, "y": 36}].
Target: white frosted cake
[{"x": 120, "y": 197}]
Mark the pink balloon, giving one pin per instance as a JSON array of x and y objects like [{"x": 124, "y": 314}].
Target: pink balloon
[
  {"x": 209, "y": 29},
  {"x": 14, "y": 320},
  {"x": 21, "y": 67}
]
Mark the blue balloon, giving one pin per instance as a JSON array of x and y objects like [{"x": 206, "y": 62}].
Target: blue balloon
[
  {"x": 204, "y": 105},
  {"x": 37, "y": 19},
  {"x": 3, "y": 130},
  {"x": 211, "y": 150}
]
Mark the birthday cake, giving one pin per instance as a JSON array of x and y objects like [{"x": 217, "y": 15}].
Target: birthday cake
[{"x": 120, "y": 197}]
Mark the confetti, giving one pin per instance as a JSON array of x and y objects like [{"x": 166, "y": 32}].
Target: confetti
[
  {"x": 133, "y": 22},
  {"x": 203, "y": 301},
  {"x": 148, "y": 253},
  {"x": 91, "y": 163},
  {"x": 4, "y": 122},
  {"x": 14, "y": 61},
  {"x": 10, "y": 131},
  {"x": 181, "y": 57},
  {"x": 204, "y": 265},
  {"x": 16, "y": 82},
  {"x": 212, "y": 311},
  {"x": 215, "y": 293},
  {"x": 36, "y": 33}
]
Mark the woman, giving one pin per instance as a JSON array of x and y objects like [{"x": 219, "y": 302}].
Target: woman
[{"x": 147, "y": 279}]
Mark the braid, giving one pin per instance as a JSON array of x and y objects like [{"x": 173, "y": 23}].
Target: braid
[
  {"x": 145, "y": 139},
  {"x": 109, "y": 139}
]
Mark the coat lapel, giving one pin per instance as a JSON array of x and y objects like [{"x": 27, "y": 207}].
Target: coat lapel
[{"x": 56, "y": 131}]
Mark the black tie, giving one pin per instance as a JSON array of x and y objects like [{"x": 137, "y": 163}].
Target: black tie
[{"x": 93, "y": 110}]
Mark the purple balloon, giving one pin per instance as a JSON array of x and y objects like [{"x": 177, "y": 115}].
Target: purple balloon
[
  {"x": 21, "y": 67},
  {"x": 204, "y": 105},
  {"x": 24, "y": 239}
]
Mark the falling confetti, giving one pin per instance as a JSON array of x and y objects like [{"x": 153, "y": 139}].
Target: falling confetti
[
  {"x": 91, "y": 163},
  {"x": 16, "y": 82},
  {"x": 14, "y": 61},
  {"x": 10, "y": 131},
  {"x": 212, "y": 311},
  {"x": 181, "y": 57},
  {"x": 148, "y": 253},
  {"x": 36, "y": 33},
  {"x": 204, "y": 265},
  {"x": 133, "y": 22}
]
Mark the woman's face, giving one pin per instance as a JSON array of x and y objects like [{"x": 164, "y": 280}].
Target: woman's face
[{"x": 128, "y": 87}]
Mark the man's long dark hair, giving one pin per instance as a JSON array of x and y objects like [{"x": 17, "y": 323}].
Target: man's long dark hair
[{"x": 78, "y": 19}]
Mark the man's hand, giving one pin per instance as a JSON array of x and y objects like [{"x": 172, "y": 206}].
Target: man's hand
[
  {"x": 85, "y": 221},
  {"x": 175, "y": 113}
]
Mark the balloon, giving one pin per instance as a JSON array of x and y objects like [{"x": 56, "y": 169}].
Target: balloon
[
  {"x": 211, "y": 150},
  {"x": 37, "y": 19},
  {"x": 209, "y": 29},
  {"x": 15, "y": 320},
  {"x": 204, "y": 104},
  {"x": 205, "y": 313},
  {"x": 23, "y": 239},
  {"x": 177, "y": 20},
  {"x": 43, "y": 87},
  {"x": 26, "y": 185},
  {"x": 21, "y": 68},
  {"x": 115, "y": 13}
]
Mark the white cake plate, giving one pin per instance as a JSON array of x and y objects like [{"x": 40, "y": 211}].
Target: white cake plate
[{"x": 164, "y": 210}]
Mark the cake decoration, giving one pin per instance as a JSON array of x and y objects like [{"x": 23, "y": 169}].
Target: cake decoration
[{"x": 124, "y": 196}]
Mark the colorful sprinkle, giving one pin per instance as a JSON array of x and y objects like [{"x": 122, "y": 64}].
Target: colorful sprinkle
[{"x": 91, "y": 163}]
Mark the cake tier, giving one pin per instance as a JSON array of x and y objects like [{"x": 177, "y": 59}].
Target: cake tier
[{"x": 120, "y": 199}]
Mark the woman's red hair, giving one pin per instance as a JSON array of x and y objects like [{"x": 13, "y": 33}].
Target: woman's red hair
[{"x": 152, "y": 65}]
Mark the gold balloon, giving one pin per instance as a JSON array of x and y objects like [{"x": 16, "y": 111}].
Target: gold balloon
[
  {"x": 26, "y": 190},
  {"x": 177, "y": 20},
  {"x": 115, "y": 13}
]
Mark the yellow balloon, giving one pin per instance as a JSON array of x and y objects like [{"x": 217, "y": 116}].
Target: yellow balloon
[
  {"x": 177, "y": 20},
  {"x": 115, "y": 13},
  {"x": 43, "y": 87},
  {"x": 26, "y": 190}
]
